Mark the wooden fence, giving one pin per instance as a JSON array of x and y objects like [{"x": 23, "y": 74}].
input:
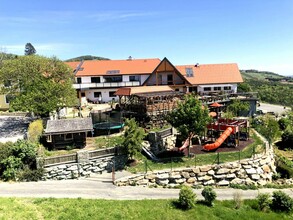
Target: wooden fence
[
  {"x": 165, "y": 132},
  {"x": 73, "y": 158}
]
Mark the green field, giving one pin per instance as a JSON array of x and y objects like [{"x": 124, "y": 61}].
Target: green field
[{"x": 28, "y": 208}]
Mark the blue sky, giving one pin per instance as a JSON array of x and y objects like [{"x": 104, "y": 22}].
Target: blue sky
[{"x": 256, "y": 34}]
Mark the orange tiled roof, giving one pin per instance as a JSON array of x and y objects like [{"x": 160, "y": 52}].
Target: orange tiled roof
[
  {"x": 142, "y": 89},
  {"x": 212, "y": 73},
  {"x": 102, "y": 67}
]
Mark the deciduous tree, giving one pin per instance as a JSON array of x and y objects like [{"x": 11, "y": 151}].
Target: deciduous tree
[
  {"x": 190, "y": 118},
  {"x": 40, "y": 85}
]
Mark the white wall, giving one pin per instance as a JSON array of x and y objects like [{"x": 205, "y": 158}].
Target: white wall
[
  {"x": 105, "y": 94},
  {"x": 200, "y": 88}
]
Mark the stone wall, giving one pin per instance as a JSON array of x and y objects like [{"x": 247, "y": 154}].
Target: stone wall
[
  {"x": 160, "y": 143},
  {"x": 257, "y": 170},
  {"x": 84, "y": 168}
]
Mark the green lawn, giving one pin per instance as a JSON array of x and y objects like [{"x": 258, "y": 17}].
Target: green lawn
[
  {"x": 29, "y": 208},
  {"x": 212, "y": 158}
]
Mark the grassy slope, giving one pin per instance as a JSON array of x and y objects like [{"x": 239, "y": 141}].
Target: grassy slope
[
  {"x": 260, "y": 75},
  {"x": 26, "y": 208}
]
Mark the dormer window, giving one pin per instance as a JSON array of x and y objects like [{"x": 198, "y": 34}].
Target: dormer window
[{"x": 189, "y": 72}]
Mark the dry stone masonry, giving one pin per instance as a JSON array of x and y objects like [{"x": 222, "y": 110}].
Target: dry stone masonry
[
  {"x": 84, "y": 168},
  {"x": 257, "y": 170}
]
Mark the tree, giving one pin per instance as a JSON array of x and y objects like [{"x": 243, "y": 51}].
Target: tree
[
  {"x": 269, "y": 129},
  {"x": 29, "y": 49},
  {"x": 38, "y": 84},
  {"x": 133, "y": 138},
  {"x": 190, "y": 118},
  {"x": 237, "y": 107},
  {"x": 244, "y": 87}
]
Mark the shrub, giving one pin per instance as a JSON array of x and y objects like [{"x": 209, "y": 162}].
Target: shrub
[
  {"x": 281, "y": 202},
  {"x": 209, "y": 195},
  {"x": 263, "y": 200},
  {"x": 187, "y": 198},
  {"x": 30, "y": 175},
  {"x": 35, "y": 130},
  {"x": 15, "y": 157}
]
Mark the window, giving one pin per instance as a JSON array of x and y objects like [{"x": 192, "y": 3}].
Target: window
[
  {"x": 97, "y": 94},
  {"x": 95, "y": 80},
  {"x": 78, "y": 80},
  {"x": 113, "y": 71},
  {"x": 134, "y": 78},
  {"x": 113, "y": 79},
  {"x": 189, "y": 72},
  {"x": 68, "y": 137},
  {"x": 227, "y": 87},
  {"x": 218, "y": 88},
  {"x": 82, "y": 94},
  {"x": 170, "y": 79},
  {"x": 111, "y": 94},
  {"x": 207, "y": 89}
]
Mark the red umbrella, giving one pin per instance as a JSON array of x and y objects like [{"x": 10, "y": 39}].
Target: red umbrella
[{"x": 215, "y": 104}]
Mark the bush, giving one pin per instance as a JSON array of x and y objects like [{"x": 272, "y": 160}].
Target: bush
[
  {"x": 263, "y": 200},
  {"x": 209, "y": 195},
  {"x": 281, "y": 202},
  {"x": 187, "y": 198},
  {"x": 30, "y": 175},
  {"x": 35, "y": 130},
  {"x": 14, "y": 158}
]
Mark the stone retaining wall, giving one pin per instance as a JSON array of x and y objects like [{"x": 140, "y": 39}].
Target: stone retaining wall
[
  {"x": 160, "y": 144},
  {"x": 257, "y": 170},
  {"x": 85, "y": 168}
]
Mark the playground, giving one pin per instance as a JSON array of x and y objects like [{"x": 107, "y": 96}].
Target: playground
[{"x": 223, "y": 135}]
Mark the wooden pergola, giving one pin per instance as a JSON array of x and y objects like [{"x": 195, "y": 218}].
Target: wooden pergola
[{"x": 148, "y": 104}]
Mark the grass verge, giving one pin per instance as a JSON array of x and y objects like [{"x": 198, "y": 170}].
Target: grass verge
[{"x": 50, "y": 208}]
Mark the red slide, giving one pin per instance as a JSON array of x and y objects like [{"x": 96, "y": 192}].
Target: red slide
[
  {"x": 219, "y": 141},
  {"x": 185, "y": 145}
]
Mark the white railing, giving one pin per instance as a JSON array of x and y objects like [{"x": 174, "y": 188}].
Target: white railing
[{"x": 105, "y": 85}]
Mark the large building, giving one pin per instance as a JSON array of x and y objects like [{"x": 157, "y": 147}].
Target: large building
[{"x": 99, "y": 80}]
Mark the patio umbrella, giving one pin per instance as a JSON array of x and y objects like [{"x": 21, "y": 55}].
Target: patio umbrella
[{"x": 215, "y": 104}]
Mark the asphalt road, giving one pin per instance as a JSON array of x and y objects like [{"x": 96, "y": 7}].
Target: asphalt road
[
  {"x": 101, "y": 187},
  {"x": 277, "y": 109}
]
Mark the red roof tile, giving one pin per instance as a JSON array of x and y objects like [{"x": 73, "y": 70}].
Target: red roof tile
[
  {"x": 212, "y": 73},
  {"x": 118, "y": 67}
]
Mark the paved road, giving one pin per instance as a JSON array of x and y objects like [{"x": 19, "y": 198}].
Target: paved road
[
  {"x": 277, "y": 109},
  {"x": 100, "y": 187}
]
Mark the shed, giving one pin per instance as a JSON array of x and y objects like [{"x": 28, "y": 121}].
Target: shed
[{"x": 68, "y": 132}]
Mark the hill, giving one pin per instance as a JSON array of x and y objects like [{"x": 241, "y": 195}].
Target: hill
[
  {"x": 86, "y": 57},
  {"x": 7, "y": 56},
  {"x": 271, "y": 87}
]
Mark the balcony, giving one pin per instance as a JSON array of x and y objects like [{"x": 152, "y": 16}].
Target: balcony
[{"x": 105, "y": 85}]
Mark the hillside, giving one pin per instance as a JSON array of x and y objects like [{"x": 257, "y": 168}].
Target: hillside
[
  {"x": 271, "y": 87},
  {"x": 7, "y": 56},
  {"x": 86, "y": 57},
  {"x": 260, "y": 75}
]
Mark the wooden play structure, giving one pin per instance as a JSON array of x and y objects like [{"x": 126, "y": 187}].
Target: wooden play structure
[{"x": 228, "y": 131}]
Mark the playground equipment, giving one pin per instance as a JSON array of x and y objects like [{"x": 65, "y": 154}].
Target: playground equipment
[
  {"x": 223, "y": 128},
  {"x": 219, "y": 141},
  {"x": 185, "y": 145}
]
